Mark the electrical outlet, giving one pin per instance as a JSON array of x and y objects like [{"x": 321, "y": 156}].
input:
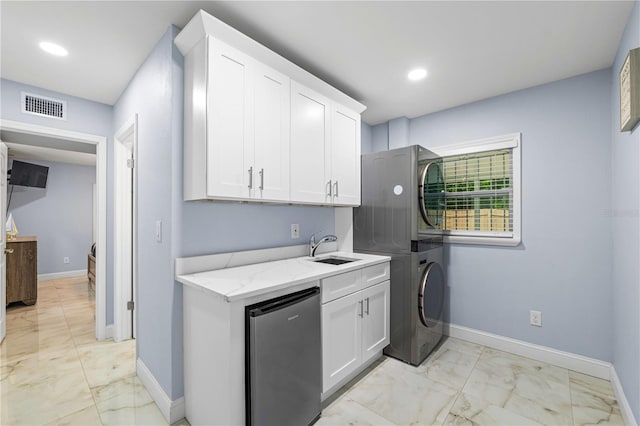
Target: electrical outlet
[
  {"x": 66, "y": 260},
  {"x": 535, "y": 318},
  {"x": 295, "y": 230}
]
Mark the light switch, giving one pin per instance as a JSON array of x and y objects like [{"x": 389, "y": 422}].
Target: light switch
[{"x": 159, "y": 231}]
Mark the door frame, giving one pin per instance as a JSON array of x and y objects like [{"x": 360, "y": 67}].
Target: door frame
[
  {"x": 102, "y": 330},
  {"x": 4, "y": 165},
  {"x": 125, "y": 230}
]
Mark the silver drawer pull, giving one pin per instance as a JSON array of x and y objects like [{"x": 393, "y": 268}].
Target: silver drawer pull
[
  {"x": 330, "y": 188},
  {"x": 261, "y": 179},
  {"x": 335, "y": 189},
  {"x": 367, "y": 311},
  {"x": 250, "y": 177},
  {"x": 361, "y": 314}
]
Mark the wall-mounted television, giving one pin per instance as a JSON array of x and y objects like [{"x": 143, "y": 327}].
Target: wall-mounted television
[{"x": 27, "y": 174}]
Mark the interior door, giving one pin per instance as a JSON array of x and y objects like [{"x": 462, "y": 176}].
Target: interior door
[{"x": 3, "y": 240}]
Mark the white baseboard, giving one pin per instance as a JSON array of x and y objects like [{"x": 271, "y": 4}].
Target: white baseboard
[
  {"x": 623, "y": 404},
  {"x": 60, "y": 275},
  {"x": 171, "y": 410},
  {"x": 579, "y": 363}
]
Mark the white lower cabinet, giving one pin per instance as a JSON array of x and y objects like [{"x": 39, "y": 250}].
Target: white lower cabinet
[
  {"x": 375, "y": 320},
  {"x": 355, "y": 328}
]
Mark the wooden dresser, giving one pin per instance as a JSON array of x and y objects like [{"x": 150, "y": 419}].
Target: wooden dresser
[
  {"x": 22, "y": 270},
  {"x": 91, "y": 271}
]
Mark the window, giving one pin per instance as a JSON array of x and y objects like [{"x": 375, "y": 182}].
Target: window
[{"x": 482, "y": 191}]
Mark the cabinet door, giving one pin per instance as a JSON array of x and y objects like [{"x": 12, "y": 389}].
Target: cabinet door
[
  {"x": 229, "y": 121},
  {"x": 271, "y": 107},
  {"x": 310, "y": 133},
  {"x": 341, "y": 339},
  {"x": 345, "y": 156},
  {"x": 375, "y": 322}
]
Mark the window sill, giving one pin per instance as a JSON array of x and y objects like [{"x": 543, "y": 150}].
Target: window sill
[{"x": 485, "y": 241}]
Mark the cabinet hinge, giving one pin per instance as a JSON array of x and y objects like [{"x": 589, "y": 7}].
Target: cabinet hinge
[
  {"x": 130, "y": 305},
  {"x": 130, "y": 163}
]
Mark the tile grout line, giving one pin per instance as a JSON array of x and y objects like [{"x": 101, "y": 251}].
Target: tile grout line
[
  {"x": 465, "y": 382},
  {"x": 84, "y": 373}
]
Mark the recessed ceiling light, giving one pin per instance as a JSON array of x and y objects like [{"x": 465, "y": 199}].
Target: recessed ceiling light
[
  {"x": 417, "y": 74},
  {"x": 54, "y": 49}
]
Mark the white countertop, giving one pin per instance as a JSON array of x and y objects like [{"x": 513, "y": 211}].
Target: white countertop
[{"x": 233, "y": 284}]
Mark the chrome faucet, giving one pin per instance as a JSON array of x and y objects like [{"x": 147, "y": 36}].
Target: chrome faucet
[{"x": 313, "y": 245}]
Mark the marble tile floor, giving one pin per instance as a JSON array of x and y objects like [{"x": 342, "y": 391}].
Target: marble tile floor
[
  {"x": 54, "y": 372},
  {"x": 466, "y": 384}
]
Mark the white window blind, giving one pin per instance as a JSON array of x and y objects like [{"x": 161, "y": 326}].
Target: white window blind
[
  {"x": 482, "y": 191},
  {"x": 478, "y": 192}
]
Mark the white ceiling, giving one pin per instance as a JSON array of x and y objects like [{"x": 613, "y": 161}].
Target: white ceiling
[
  {"x": 38, "y": 153},
  {"x": 472, "y": 50},
  {"x": 24, "y": 146}
]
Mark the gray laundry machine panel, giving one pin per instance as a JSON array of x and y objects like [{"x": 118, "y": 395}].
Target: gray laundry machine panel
[
  {"x": 417, "y": 304},
  {"x": 401, "y": 217}
]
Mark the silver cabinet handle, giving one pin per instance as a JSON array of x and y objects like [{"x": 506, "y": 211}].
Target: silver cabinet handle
[
  {"x": 335, "y": 189},
  {"x": 250, "y": 177},
  {"x": 261, "y": 179},
  {"x": 367, "y": 311},
  {"x": 330, "y": 188},
  {"x": 361, "y": 314},
  {"x": 8, "y": 251}
]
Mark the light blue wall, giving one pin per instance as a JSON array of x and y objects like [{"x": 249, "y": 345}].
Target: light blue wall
[
  {"x": 625, "y": 216},
  {"x": 563, "y": 266},
  {"x": 83, "y": 116},
  {"x": 398, "y": 132},
  {"x": 222, "y": 227},
  {"x": 189, "y": 228},
  {"x": 150, "y": 95},
  {"x": 380, "y": 137},
  {"x": 60, "y": 215},
  {"x": 366, "y": 138}
]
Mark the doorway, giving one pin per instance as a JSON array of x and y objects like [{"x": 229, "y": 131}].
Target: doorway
[{"x": 60, "y": 137}]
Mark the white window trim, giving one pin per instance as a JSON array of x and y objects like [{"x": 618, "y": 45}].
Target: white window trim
[{"x": 511, "y": 141}]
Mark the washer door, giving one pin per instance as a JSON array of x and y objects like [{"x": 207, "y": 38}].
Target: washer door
[{"x": 431, "y": 295}]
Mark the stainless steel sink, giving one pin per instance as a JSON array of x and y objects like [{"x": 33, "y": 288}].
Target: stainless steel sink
[{"x": 334, "y": 260}]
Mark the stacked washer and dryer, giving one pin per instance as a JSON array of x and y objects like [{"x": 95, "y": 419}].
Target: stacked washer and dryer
[{"x": 400, "y": 216}]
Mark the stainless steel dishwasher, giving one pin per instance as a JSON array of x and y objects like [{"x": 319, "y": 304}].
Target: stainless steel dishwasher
[{"x": 283, "y": 360}]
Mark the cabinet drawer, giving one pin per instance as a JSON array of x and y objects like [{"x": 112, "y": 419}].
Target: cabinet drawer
[
  {"x": 375, "y": 274},
  {"x": 341, "y": 285}
]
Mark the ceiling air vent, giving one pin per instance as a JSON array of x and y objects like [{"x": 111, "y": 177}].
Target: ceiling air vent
[{"x": 43, "y": 106}]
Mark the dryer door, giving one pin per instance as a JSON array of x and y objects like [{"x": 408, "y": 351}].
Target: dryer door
[
  {"x": 431, "y": 295},
  {"x": 431, "y": 195}
]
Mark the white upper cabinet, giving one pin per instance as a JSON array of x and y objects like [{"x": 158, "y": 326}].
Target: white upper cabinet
[
  {"x": 310, "y": 149},
  {"x": 252, "y": 133},
  {"x": 271, "y": 118},
  {"x": 345, "y": 156},
  {"x": 229, "y": 125},
  {"x": 236, "y": 126},
  {"x": 325, "y": 150}
]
